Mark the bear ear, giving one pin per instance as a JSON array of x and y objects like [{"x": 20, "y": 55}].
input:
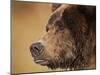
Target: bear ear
[{"x": 55, "y": 6}]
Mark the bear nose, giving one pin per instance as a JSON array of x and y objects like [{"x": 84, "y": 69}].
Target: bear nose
[{"x": 36, "y": 48}]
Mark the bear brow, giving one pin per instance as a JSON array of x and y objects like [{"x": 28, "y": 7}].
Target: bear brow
[{"x": 53, "y": 18}]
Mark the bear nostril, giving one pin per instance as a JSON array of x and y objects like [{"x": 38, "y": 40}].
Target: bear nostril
[{"x": 36, "y": 48}]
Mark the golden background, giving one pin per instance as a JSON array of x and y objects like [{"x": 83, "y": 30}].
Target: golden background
[{"x": 28, "y": 25}]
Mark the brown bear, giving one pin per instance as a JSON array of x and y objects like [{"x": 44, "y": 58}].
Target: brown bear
[{"x": 70, "y": 39}]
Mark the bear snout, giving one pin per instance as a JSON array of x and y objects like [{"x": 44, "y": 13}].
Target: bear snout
[{"x": 36, "y": 49}]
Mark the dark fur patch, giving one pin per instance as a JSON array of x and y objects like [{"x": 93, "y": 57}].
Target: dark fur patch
[{"x": 82, "y": 29}]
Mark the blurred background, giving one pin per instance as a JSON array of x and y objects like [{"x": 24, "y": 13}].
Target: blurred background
[{"x": 28, "y": 25}]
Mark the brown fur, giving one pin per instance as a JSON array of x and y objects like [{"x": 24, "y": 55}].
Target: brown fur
[{"x": 70, "y": 39}]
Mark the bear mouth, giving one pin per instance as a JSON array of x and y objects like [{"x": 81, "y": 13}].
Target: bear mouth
[{"x": 41, "y": 61}]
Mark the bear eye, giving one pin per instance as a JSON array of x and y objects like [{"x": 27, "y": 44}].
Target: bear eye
[
  {"x": 61, "y": 28},
  {"x": 60, "y": 25}
]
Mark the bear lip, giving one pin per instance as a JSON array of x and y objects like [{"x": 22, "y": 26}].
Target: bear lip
[{"x": 41, "y": 61}]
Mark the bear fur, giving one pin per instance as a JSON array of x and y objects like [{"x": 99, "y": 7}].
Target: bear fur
[{"x": 70, "y": 38}]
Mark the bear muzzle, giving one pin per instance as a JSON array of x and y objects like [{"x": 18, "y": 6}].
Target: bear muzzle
[{"x": 36, "y": 50}]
